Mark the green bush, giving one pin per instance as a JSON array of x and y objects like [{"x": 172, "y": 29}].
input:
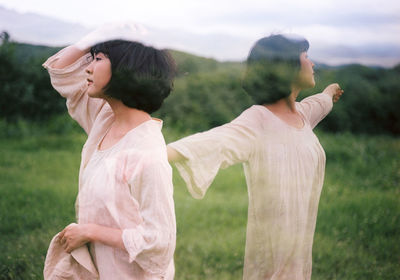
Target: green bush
[{"x": 207, "y": 92}]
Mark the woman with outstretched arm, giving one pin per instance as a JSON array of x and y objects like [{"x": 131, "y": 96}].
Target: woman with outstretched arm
[
  {"x": 284, "y": 162},
  {"x": 112, "y": 82}
]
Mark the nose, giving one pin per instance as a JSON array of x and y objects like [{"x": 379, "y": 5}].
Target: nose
[{"x": 89, "y": 69}]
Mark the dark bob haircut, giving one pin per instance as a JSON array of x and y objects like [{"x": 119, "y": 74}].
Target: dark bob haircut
[
  {"x": 142, "y": 76},
  {"x": 272, "y": 66}
]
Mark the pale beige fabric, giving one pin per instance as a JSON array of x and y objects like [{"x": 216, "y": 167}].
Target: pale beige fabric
[
  {"x": 128, "y": 186},
  {"x": 60, "y": 265},
  {"x": 284, "y": 168}
]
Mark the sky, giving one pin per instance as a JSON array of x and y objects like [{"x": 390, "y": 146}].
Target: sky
[{"x": 327, "y": 24}]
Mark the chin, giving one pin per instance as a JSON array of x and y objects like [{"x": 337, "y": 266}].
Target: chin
[
  {"x": 307, "y": 83},
  {"x": 95, "y": 94},
  {"x": 311, "y": 84},
  {"x": 307, "y": 86},
  {"x": 90, "y": 94}
]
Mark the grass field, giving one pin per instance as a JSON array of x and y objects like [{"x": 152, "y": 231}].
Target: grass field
[{"x": 358, "y": 226}]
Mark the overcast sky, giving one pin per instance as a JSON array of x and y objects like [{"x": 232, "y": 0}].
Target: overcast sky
[{"x": 322, "y": 22}]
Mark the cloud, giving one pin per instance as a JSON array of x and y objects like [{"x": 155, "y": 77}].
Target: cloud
[
  {"x": 256, "y": 18},
  {"x": 226, "y": 29}
]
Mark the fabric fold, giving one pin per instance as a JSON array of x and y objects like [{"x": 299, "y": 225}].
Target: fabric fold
[{"x": 62, "y": 265}]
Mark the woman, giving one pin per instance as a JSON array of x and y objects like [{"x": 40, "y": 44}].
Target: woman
[
  {"x": 283, "y": 160},
  {"x": 125, "y": 207}
]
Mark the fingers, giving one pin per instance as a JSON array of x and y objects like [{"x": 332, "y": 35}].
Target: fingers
[
  {"x": 338, "y": 94},
  {"x": 61, "y": 235},
  {"x": 67, "y": 246},
  {"x": 71, "y": 237},
  {"x": 335, "y": 91},
  {"x": 65, "y": 241}
]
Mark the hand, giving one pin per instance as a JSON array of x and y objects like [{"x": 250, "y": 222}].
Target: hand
[
  {"x": 74, "y": 236},
  {"x": 112, "y": 31},
  {"x": 334, "y": 91}
]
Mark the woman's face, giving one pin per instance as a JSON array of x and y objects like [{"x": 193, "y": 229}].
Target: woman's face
[
  {"x": 99, "y": 74},
  {"x": 306, "y": 74}
]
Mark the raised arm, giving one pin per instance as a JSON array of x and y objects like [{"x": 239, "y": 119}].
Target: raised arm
[
  {"x": 120, "y": 30},
  {"x": 69, "y": 56},
  {"x": 67, "y": 70},
  {"x": 68, "y": 77}
]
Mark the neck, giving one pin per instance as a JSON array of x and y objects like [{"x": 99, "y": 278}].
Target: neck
[
  {"x": 291, "y": 99},
  {"x": 126, "y": 118},
  {"x": 287, "y": 104}
]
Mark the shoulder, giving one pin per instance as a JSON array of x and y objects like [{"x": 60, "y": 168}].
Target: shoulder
[
  {"x": 136, "y": 162},
  {"x": 253, "y": 117},
  {"x": 300, "y": 107},
  {"x": 251, "y": 113},
  {"x": 145, "y": 144}
]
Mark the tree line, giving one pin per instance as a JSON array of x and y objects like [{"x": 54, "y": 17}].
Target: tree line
[{"x": 207, "y": 92}]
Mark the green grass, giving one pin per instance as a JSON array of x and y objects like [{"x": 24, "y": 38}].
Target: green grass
[{"x": 358, "y": 226}]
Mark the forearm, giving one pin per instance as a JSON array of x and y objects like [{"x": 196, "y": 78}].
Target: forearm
[
  {"x": 106, "y": 235},
  {"x": 69, "y": 55}
]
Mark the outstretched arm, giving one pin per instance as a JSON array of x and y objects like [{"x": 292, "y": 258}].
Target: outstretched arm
[
  {"x": 317, "y": 106},
  {"x": 174, "y": 155},
  {"x": 199, "y": 157}
]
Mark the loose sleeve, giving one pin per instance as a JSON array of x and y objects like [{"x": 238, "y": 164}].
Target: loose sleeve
[
  {"x": 316, "y": 107},
  {"x": 151, "y": 244},
  {"x": 71, "y": 83},
  {"x": 205, "y": 153}
]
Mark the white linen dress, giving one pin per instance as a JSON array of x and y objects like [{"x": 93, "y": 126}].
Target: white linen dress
[
  {"x": 127, "y": 186},
  {"x": 284, "y": 168}
]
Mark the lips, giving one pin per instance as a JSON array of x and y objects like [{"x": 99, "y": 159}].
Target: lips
[{"x": 89, "y": 81}]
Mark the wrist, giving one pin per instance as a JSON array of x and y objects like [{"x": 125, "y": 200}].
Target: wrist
[
  {"x": 90, "y": 232},
  {"x": 328, "y": 93}
]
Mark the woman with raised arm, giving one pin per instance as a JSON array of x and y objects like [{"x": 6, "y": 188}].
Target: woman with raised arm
[
  {"x": 125, "y": 208},
  {"x": 283, "y": 160}
]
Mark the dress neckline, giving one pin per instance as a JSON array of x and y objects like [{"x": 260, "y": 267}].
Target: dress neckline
[
  {"x": 282, "y": 121},
  {"x": 98, "y": 150}
]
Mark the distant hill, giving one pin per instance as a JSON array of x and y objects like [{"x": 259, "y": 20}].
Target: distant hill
[
  {"x": 187, "y": 63},
  {"x": 207, "y": 93},
  {"x": 25, "y": 52},
  {"x": 38, "y": 29},
  {"x": 43, "y": 30}
]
